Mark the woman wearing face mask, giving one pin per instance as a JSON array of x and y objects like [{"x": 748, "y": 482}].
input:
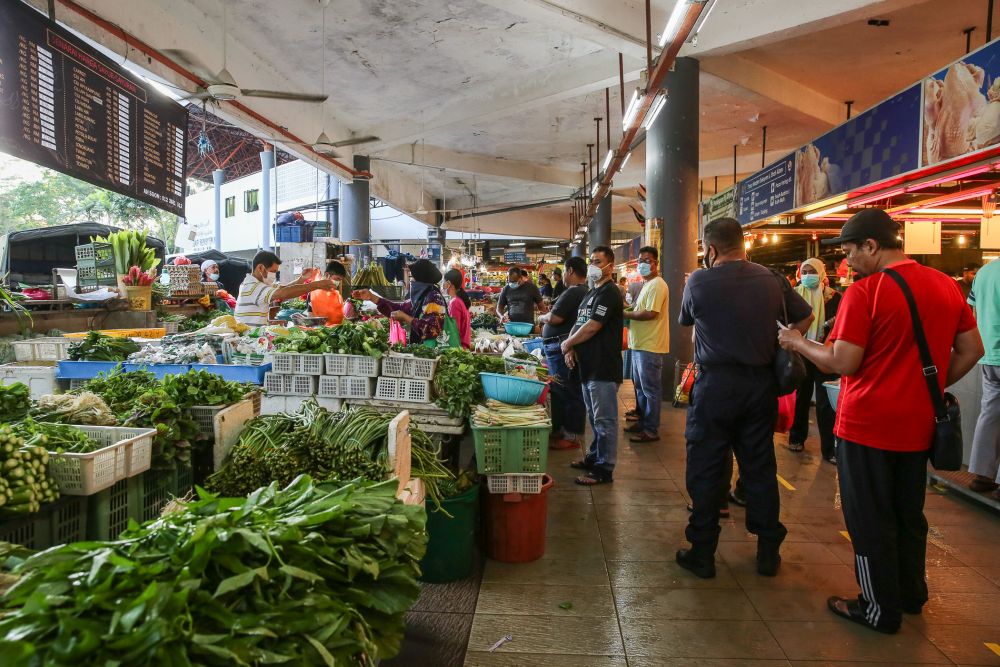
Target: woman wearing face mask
[
  {"x": 424, "y": 311},
  {"x": 458, "y": 305},
  {"x": 330, "y": 303},
  {"x": 814, "y": 288}
]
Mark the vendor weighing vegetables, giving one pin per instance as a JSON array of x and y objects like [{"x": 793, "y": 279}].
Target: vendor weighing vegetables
[
  {"x": 259, "y": 289},
  {"x": 425, "y": 310}
]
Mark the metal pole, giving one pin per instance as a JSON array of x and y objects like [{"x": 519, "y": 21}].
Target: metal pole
[
  {"x": 621, "y": 81},
  {"x": 989, "y": 22},
  {"x": 716, "y": 185},
  {"x": 590, "y": 159},
  {"x": 849, "y": 104},
  {"x": 763, "y": 148},
  {"x": 734, "y": 163},
  {"x": 218, "y": 177},
  {"x": 607, "y": 112},
  {"x": 649, "y": 40},
  {"x": 598, "y": 120},
  {"x": 266, "y": 164},
  {"x": 968, "y": 38}
]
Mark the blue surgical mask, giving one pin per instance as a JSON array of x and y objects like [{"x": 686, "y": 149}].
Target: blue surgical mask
[
  {"x": 213, "y": 276},
  {"x": 810, "y": 280},
  {"x": 644, "y": 269}
]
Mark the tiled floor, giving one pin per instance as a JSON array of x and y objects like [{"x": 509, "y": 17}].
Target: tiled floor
[{"x": 610, "y": 555}]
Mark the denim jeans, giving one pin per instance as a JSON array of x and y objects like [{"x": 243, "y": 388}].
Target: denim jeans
[
  {"x": 568, "y": 411},
  {"x": 601, "y": 399},
  {"x": 985, "y": 457},
  {"x": 647, "y": 376}
]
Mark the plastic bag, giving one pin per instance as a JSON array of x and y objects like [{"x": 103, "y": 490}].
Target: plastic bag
[
  {"x": 397, "y": 334},
  {"x": 786, "y": 413}
]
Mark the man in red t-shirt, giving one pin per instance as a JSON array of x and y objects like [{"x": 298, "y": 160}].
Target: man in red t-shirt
[{"x": 885, "y": 420}]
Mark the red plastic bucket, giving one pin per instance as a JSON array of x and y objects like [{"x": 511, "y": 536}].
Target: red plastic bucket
[{"x": 515, "y": 525}]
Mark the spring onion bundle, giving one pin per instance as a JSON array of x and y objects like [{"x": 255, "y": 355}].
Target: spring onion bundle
[{"x": 496, "y": 413}]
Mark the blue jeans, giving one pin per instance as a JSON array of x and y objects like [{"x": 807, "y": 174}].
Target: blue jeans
[
  {"x": 647, "y": 376},
  {"x": 568, "y": 411},
  {"x": 601, "y": 399}
]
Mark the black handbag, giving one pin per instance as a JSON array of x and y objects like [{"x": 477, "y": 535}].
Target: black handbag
[
  {"x": 946, "y": 448},
  {"x": 789, "y": 367}
]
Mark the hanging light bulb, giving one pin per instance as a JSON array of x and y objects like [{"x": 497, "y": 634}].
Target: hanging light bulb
[
  {"x": 763, "y": 238},
  {"x": 814, "y": 236},
  {"x": 747, "y": 244},
  {"x": 774, "y": 238},
  {"x": 961, "y": 239}
]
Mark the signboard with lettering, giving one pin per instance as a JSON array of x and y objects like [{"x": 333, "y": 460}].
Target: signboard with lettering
[
  {"x": 65, "y": 106},
  {"x": 767, "y": 193},
  {"x": 515, "y": 258}
]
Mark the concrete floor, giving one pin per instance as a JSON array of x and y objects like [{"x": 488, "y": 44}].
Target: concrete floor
[{"x": 610, "y": 552}]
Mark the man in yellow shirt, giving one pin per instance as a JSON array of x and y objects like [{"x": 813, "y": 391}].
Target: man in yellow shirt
[{"x": 649, "y": 340}]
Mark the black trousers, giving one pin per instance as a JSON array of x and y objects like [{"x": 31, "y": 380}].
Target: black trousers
[
  {"x": 732, "y": 411},
  {"x": 825, "y": 414},
  {"x": 883, "y": 499}
]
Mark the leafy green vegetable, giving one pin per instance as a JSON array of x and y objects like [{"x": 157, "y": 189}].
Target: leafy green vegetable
[
  {"x": 204, "y": 388},
  {"x": 310, "y": 575},
  {"x": 485, "y": 321},
  {"x": 56, "y": 437},
  {"x": 119, "y": 388},
  {"x": 364, "y": 338},
  {"x": 98, "y": 347},
  {"x": 15, "y": 400},
  {"x": 130, "y": 250},
  {"x": 457, "y": 379}
]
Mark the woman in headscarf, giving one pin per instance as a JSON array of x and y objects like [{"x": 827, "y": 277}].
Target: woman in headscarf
[
  {"x": 424, "y": 311},
  {"x": 814, "y": 288}
]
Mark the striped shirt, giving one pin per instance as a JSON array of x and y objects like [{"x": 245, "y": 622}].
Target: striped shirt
[{"x": 253, "y": 301}]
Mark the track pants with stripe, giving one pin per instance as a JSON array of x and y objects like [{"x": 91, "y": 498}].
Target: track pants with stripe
[{"x": 882, "y": 493}]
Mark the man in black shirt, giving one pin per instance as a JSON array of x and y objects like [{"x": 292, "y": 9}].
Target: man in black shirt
[
  {"x": 518, "y": 299},
  {"x": 595, "y": 347},
  {"x": 734, "y": 306},
  {"x": 567, "y": 392},
  {"x": 557, "y": 283}
]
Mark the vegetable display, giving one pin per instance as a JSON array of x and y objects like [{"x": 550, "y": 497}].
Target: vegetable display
[
  {"x": 119, "y": 389},
  {"x": 98, "y": 347},
  {"x": 204, "y": 388},
  {"x": 364, "y": 338},
  {"x": 130, "y": 250},
  {"x": 495, "y": 413},
  {"x": 85, "y": 408},
  {"x": 314, "y": 574},
  {"x": 56, "y": 437},
  {"x": 457, "y": 379},
  {"x": 485, "y": 321},
  {"x": 15, "y": 400},
  {"x": 174, "y": 353},
  {"x": 327, "y": 445},
  {"x": 24, "y": 478},
  {"x": 416, "y": 350},
  {"x": 371, "y": 276}
]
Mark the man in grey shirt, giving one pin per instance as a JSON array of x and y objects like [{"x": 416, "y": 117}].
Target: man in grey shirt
[{"x": 518, "y": 299}]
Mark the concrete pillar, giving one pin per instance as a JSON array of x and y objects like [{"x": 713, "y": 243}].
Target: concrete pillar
[
  {"x": 266, "y": 164},
  {"x": 218, "y": 176},
  {"x": 599, "y": 230},
  {"x": 355, "y": 211},
  {"x": 672, "y": 194},
  {"x": 579, "y": 249}
]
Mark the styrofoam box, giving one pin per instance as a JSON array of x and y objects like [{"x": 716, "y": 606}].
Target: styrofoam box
[
  {"x": 38, "y": 376},
  {"x": 272, "y": 405}
]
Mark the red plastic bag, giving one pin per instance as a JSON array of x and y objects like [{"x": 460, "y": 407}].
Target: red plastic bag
[
  {"x": 786, "y": 413},
  {"x": 397, "y": 334}
]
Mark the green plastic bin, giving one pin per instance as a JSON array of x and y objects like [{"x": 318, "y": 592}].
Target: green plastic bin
[
  {"x": 110, "y": 510},
  {"x": 500, "y": 449},
  {"x": 451, "y": 543}
]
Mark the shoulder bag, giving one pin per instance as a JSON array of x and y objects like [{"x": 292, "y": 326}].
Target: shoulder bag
[
  {"x": 789, "y": 367},
  {"x": 946, "y": 447}
]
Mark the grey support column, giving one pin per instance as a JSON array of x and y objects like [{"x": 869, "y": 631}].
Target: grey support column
[
  {"x": 218, "y": 176},
  {"x": 672, "y": 194},
  {"x": 599, "y": 230},
  {"x": 266, "y": 164},
  {"x": 355, "y": 211},
  {"x": 579, "y": 249}
]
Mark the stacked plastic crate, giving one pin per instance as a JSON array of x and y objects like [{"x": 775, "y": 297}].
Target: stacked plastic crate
[
  {"x": 406, "y": 378},
  {"x": 185, "y": 280},
  {"x": 348, "y": 376},
  {"x": 95, "y": 266}
]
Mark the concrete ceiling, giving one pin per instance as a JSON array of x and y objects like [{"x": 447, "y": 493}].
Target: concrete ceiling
[{"x": 491, "y": 103}]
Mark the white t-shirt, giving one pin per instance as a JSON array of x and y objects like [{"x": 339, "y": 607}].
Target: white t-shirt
[{"x": 253, "y": 301}]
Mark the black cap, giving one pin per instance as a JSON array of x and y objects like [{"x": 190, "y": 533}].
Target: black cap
[
  {"x": 871, "y": 223},
  {"x": 425, "y": 271}
]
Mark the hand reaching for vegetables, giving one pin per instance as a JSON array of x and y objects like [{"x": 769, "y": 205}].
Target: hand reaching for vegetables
[
  {"x": 363, "y": 294},
  {"x": 400, "y": 316}
]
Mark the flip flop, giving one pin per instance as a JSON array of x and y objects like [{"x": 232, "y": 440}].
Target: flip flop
[
  {"x": 851, "y": 610},
  {"x": 644, "y": 437},
  {"x": 593, "y": 478}
]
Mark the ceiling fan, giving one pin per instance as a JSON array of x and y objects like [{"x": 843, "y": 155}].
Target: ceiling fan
[{"x": 222, "y": 86}]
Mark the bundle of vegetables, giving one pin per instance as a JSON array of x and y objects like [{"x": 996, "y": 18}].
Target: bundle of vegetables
[
  {"x": 363, "y": 338},
  {"x": 457, "y": 379},
  {"x": 84, "y": 408},
  {"x": 485, "y": 321},
  {"x": 327, "y": 445},
  {"x": 130, "y": 250},
  {"x": 199, "y": 320},
  {"x": 495, "y": 413},
  {"x": 119, "y": 388},
  {"x": 204, "y": 388},
  {"x": 98, "y": 347},
  {"x": 304, "y": 341},
  {"x": 416, "y": 350},
  {"x": 314, "y": 574},
  {"x": 136, "y": 277},
  {"x": 15, "y": 400},
  {"x": 56, "y": 437},
  {"x": 176, "y": 430},
  {"x": 24, "y": 480},
  {"x": 371, "y": 276}
]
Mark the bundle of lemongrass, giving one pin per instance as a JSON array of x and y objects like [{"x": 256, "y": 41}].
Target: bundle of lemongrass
[{"x": 496, "y": 413}]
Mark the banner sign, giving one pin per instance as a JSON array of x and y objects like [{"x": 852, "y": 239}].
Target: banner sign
[
  {"x": 875, "y": 145},
  {"x": 515, "y": 258},
  {"x": 722, "y": 205},
  {"x": 767, "y": 193},
  {"x": 65, "y": 106}
]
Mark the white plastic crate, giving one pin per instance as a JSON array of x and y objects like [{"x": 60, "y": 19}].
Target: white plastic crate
[
  {"x": 272, "y": 405},
  {"x": 295, "y": 363},
  {"x": 42, "y": 349},
  {"x": 329, "y": 387},
  {"x": 387, "y": 389},
  {"x": 403, "y": 389},
  {"x": 291, "y": 385},
  {"x": 39, "y": 377},
  {"x": 530, "y": 483},
  {"x": 127, "y": 452},
  {"x": 346, "y": 386},
  {"x": 409, "y": 366},
  {"x": 223, "y": 424},
  {"x": 284, "y": 362},
  {"x": 274, "y": 383},
  {"x": 352, "y": 364}
]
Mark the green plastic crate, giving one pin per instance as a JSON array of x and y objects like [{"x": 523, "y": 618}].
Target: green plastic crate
[
  {"x": 184, "y": 480},
  {"x": 157, "y": 488},
  {"x": 69, "y": 520},
  {"x": 502, "y": 450},
  {"x": 110, "y": 510},
  {"x": 33, "y": 531}
]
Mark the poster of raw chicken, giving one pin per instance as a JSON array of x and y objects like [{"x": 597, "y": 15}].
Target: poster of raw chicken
[
  {"x": 882, "y": 142},
  {"x": 962, "y": 106}
]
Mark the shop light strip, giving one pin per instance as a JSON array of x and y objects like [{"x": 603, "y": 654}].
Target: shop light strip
[
  {"x": 670, "y": 30},
  {"x": 826, "y": 211}
]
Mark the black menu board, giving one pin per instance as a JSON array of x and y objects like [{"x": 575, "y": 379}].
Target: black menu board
[{"x": 65, "y": 106}]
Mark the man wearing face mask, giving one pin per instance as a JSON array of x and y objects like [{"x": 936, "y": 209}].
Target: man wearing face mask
[
  {"x": 649, "y": 341},
  {"x": 210, "y": 272},
  {"x": 519, "y": 298},
  {"x": 594, "y": 346},
  {"x": 733, "y": 305},
  {"x": 259, "y": 289},
  {"x": 885, "y": 420}
]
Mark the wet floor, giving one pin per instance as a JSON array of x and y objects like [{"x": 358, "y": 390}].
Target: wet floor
[{"x": 607, "y": 593}]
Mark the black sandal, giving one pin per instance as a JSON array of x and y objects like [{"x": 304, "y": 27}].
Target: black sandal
[
  {"x": 851, "y": 610},
  {"x": 593, "y": 478},
  {"x": 582, "y": 465}
]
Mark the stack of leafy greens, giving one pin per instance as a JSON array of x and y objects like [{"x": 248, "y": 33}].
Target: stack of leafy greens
[
  {"x": 98, "y": 347},
  {"x": 363, "y": 338},
  {"x": 315, "y": 574},
  {"x": 56, "y": 437},
  {"x": 15, "y": 400},
  {"x": 457, "y": 379},
  {"x": 327, "y": 445}
]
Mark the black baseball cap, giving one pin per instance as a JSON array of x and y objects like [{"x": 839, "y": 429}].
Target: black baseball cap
[{"x": 871, "y": 223}]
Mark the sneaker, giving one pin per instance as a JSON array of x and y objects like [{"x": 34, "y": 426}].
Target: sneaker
[
  {"x": 831, "y": 459},
  {"x": 700, "y": 567}
]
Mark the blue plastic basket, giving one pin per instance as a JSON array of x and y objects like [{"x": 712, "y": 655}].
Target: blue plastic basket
[
  {"x": 159, "y": 370},
  {"x": 532, "y": 345},
  {"x": 84, "y": 370},
  {"x": 518, "y": 328},
  {"x": 235, "y": 372},
  {"x": 510, "y": 389},
  {"x": 293, "y": 233}
]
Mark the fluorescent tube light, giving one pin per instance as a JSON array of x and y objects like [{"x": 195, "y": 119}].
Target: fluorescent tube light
[
  {"x": 826, "y": 211},
  {"x": 607, "y": 160},
  {"x": 673, "y": 23},
  {"x": 661, "y": 101},
  {"x": 632, "y": 109},
  {"x": 625, "y": 161}
]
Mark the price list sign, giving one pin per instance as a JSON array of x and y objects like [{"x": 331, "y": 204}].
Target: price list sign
[{"x": 67, "y": 107}]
